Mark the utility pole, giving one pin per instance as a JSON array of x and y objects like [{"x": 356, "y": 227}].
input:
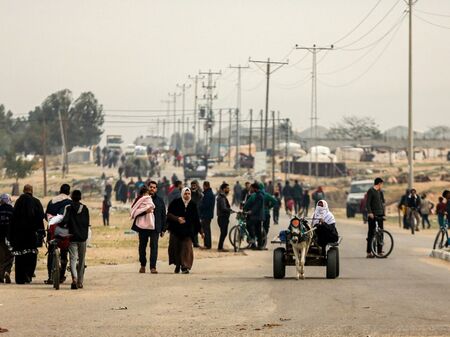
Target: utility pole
[
  {"x": 273, "y": 148},
  {"x": 268, "y": 73},
  {"x": 63, "y": 141},
  {"x": 278, "y": 128},
  {"x": 44, "y": 151},
  {"x": 174, "y": 96},
  {"x": 238, "y": 110},
  {"x": 288, "y": 164},
  {"x": 183, "y": 88},
  {"x": 261, "y": 136},
  {"x": 164, "y": 130},
  {"x": 196, "y": 129},
  {"x": 168, "y": 113},
  {"x": 410, "y": 112},
  {"x": 314, "y": 50},
  {"x": 250, "y": 134},
  {"x": 229, "y": 137},
  {"x": 210, "y": 97},
  {"x": 220, "y": 131}
]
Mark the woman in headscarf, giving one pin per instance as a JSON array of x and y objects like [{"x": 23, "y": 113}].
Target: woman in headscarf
[
  {"x": 325, "y": 224},
  {"x": 183, "y": 224}
]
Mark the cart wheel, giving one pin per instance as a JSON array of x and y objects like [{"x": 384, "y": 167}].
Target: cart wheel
[
  {"x": 56, "y": 269},
  {"x": 279, "y": 267},
  {"x": 332, "y": 263}
]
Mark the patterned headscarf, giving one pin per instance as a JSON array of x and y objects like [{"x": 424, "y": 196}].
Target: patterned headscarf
[
  {"x": 5, "y": 199},
  {"x": 323, "y": 213}
]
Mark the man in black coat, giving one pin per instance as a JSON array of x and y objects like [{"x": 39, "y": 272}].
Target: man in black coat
[
  {"x": 152, "y": 234},
  {"x": 223, "y": 214},
  {"x": 206, "y": 212},
  {"x": 27, "y": 232},
  {"x": 375, "y": 211}
]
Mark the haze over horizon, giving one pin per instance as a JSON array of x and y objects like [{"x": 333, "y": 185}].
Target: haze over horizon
[{"x": 131, "y": 54}]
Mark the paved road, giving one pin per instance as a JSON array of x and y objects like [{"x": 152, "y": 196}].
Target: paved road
[{"x": 405, "y": 295}]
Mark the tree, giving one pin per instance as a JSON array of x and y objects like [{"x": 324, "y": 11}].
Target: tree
[
  {"x": 16, "y": 167},
  {"x": 355, "y": 128},
  {"x": 85, "y": 120},
  {"x": 6, "y": 130}
]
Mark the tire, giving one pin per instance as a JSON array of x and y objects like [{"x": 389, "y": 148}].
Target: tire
[
  {"x": 384, "y": 239},
  {"x": 337, "y": 261},
  {"x": 279, "y": 267},
  {"x": 332, "y": 263},
  {"x": 231, "y": 234},
  {"x": 350, "y": 213},
  {"x": 237, "y": 240},
  {"x": 441, "y": 240},
  {"x": 56, "y": 270}
]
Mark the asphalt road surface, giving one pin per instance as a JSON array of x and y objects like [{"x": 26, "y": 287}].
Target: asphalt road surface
[{"x": 407, "y": 294}]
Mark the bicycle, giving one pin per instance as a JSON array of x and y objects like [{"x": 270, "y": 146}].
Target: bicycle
[
  {"x": 60, "y": 240},
  {"x": 238, "y": 232},
  {"x": 382, "y": 242},
  {"x": 442, "y": 240}
]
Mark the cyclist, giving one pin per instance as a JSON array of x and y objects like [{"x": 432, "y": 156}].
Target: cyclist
[
  {"x": 413, "y": 204},
  {"x": 375, "y": 211},
  {"x": 255, "y": 207}
]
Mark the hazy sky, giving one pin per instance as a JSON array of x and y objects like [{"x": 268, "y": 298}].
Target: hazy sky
[{"x": 132, "y": 53}]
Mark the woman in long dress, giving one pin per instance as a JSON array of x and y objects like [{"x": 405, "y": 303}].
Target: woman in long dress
[{"x": 183, "y": 224}]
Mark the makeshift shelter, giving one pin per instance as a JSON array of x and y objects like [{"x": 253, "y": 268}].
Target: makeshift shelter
[{"x": 80, "y": 155}]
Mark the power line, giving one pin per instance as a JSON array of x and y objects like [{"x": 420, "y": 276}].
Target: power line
[
  {"x": 372, "y": 29},
  {"x": 431, "y": 23},
  {"x": 369, "y": 51},
  {"x": 368, "y": 69},
  {"x": 432, "y": 14},
  {"x": 359, "y": 24}
]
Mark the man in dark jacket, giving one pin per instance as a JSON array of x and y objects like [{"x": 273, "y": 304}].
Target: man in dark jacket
[
  {"x": 255, "y": 208},
  {"x": 57, "y": 206},
  {"x": 206, "y": 211},
  {"x": 196, "y": 197},
  {"x": 287, "y": 194},
  {"x": 27, "y": 232},
  {"x": 160, "y": 229},
  {"x": 375, "y": 211},
  {"x": 176, "y": 192},
  {"x": 6, "y": 258},
  {"x": 76, "y": 218},
  {"x": 223, "y": 214},
  {"x": 413, "y": 203},
  {"x": 297, "y": 193}
]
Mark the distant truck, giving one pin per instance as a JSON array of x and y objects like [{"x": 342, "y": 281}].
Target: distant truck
[
  {"x": 113, "y": 142},
  {"x": 356, "y": 194}
]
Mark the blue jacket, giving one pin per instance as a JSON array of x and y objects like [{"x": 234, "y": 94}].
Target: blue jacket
[{"x": 207, "y": 205}]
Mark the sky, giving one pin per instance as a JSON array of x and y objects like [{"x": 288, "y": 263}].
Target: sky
[{"x": 131, "y": 54}]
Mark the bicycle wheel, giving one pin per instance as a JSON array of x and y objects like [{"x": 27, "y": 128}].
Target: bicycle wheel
[
  {"x": 382, "y": 244},
  {"x": 441, "y": 240},
  {"x": 264, "y": 238},
  {"x": 237, "y": 240},
  {"x": 56, "y": 269},
  {"x": 231, "y": 234}
]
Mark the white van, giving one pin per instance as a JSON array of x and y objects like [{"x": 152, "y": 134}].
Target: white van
[{"x": 356, "y": 194}]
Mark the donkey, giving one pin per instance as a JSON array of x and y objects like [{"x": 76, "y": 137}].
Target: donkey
[{"x": 300, "y": 236}]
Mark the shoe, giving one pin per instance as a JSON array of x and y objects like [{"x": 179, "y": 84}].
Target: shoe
[
  {"x": 7, "y": 278},
  {"x": 370, "y": 256},
  {"x": 142, "y": 270},
  {"x": 80, "y": 285},
  {"x": 177, "y": 270},
  {"x": 222, "y": 250},
  {"x": 185, "y": 271},
  {"x": 73, "y": 286},
  {"x": 62, "y": 279},
  {"x": 153, "y": 271},
  {"x": 417, "y": 230},
  {"x": 49, "y": 281}
]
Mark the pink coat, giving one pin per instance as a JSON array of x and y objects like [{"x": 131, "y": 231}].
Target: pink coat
[{"x": 146, "y": 221}]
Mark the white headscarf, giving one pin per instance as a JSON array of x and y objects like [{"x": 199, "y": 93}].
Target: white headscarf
[
  {"x": 323, "y": 213},
  {"x": 186, "y": 202}
]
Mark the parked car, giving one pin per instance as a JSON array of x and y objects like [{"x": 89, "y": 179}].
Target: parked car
[{"x": 356, "y": 194}]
